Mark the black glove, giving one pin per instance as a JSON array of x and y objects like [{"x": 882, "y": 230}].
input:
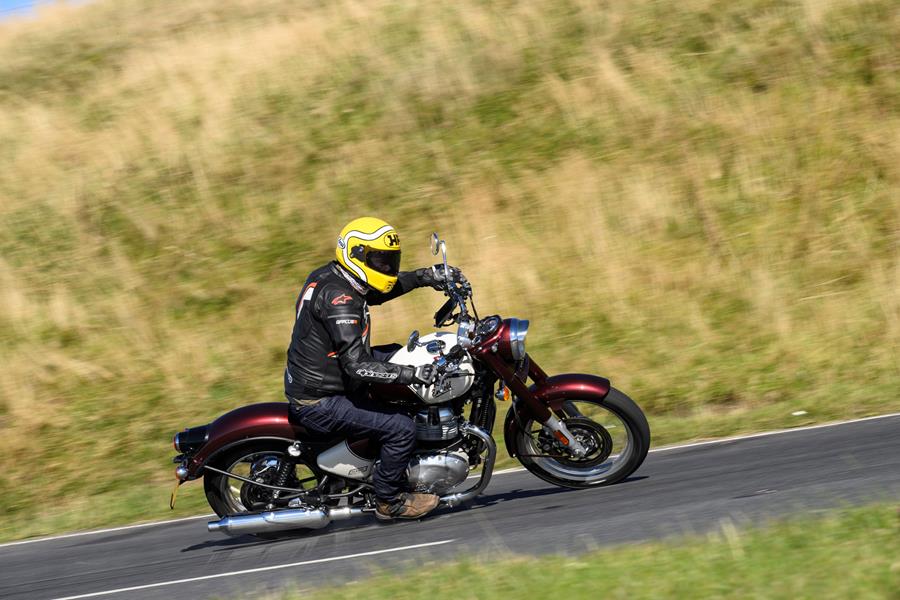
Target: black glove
[
  {"x": 435, "y": 276},
  {"x": 425, "y": 374}
]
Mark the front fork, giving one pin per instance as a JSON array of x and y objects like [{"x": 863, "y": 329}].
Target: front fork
[
  {"x": 558, "y": 430},
  {"x": 538, "y": 410}
]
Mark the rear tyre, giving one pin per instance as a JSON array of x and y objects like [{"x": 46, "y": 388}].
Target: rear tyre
[
  {"x": 259, "y": 461},
  {"x": 614, "y": 430}
]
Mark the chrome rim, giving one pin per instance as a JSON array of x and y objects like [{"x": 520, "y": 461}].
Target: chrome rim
[
  {"x": 260, "y": 466},
  {"x": 619, "y": 454}
]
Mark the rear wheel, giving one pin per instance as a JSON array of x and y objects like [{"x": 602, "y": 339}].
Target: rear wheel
[
  {"x": 262, "y": 462},
  {"x": 614, "y": 431}
]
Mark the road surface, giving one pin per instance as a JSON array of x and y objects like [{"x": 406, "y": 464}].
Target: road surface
[{"x": 686, "y": 489}]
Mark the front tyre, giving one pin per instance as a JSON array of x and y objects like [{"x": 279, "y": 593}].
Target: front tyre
[{"x": 614, "y": 430}]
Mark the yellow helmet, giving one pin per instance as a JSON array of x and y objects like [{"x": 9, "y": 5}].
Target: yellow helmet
[{"x": 370, "y": 249}]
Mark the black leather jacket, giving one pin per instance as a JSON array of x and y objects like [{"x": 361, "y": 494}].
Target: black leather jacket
[{"x": 330, "y": 352}]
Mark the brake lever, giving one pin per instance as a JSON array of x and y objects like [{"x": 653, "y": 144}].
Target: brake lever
[{"x": 441, "y": 385}]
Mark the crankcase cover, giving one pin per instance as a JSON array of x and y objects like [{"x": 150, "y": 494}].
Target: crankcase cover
[{"x": 439, "y": 472}]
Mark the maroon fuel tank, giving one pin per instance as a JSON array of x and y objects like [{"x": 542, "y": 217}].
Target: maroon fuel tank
[
  {"x": 552, "y": 392},
  {"x": 267, "y": 420}
]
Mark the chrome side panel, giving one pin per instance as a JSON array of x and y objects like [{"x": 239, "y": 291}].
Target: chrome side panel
[{"x": 341, "y": 461}]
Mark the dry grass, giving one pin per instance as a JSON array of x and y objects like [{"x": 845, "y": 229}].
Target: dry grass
[
  {"x": 700, "y": 200},
  {"x": 804, "y": 558}
]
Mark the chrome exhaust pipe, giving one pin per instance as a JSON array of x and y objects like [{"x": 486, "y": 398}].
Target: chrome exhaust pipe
[
  {"x": 281, "y": 520},
  {"x": 486, "y": 470}
]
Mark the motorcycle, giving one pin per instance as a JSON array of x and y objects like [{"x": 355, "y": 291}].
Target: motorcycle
[{"x": 263, "y": 473}]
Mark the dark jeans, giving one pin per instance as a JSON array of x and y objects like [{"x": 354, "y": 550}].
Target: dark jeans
[{"x": 394, "y": 431}]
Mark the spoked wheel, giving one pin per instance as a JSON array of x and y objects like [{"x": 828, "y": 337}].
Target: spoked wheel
[
  {"x": 614, "y": 432},
  {"x": 262, "y": 463}
]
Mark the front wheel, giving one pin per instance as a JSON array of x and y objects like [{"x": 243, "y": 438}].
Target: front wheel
[{"x": 613, "y": 430}]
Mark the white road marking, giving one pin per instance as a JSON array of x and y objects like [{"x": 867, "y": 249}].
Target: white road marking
[
  {"x": 257, "y": 570},
  {"x": 502, "y": 472},
  {"x": 746, "y": 436},
  {"x": 110, "y": 530},
  {"x": 509, "y": 470},
  {"x": 750, "y": 436}
]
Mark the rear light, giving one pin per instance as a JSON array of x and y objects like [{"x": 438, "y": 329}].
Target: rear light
[{"x": 190, "y": 440}]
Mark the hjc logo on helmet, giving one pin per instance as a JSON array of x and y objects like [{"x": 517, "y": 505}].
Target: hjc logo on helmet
[{"x": 392, "y": 240}]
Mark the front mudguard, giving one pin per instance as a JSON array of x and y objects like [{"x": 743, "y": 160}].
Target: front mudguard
[{"x": 553, "y": 392}]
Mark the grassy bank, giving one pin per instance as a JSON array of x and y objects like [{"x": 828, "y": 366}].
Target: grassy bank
[
  {"x": 851, "y": 555},
  {"x": 698, "y": 199}
]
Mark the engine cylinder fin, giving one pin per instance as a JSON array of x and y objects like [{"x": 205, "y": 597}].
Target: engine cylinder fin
[{"x": 436, "y": 424}]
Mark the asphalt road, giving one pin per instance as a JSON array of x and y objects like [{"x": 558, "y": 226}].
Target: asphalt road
[{"x": 680, "y": 490}]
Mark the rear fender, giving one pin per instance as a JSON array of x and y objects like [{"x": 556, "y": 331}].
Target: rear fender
[
  {"x": 269, "y": 420},
  {"x": 553, "y": 392}
]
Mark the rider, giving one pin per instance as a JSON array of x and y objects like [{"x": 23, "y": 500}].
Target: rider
[{"x": 330, "y": 358}]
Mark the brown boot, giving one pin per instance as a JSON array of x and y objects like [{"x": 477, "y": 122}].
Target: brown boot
[{"x": 406, "y": 506}]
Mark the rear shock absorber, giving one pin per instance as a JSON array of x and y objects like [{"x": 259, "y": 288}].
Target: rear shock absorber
[{"x": 284, "y": 472}]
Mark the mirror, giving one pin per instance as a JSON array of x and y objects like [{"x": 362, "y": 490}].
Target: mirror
[
  {"x": 439, "y": 245},
  {"x": 413, "y": 341},
  {"x": 435, "y": 243}
]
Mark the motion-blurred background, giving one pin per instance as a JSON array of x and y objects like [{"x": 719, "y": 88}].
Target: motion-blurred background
[{"x": 698, "y": 199}]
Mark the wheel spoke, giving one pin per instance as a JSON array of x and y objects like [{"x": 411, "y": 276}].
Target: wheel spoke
[{"x": 261, "y": 466}]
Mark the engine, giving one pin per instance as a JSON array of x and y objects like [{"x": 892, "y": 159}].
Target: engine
[
  {"x": 436, "y": 425},
  {"x": 438, "y": 472}
]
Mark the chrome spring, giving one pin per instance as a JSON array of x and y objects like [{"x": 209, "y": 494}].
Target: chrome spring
[{"x": 284, "y": 471}]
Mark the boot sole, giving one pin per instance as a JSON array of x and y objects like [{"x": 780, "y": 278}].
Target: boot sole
[{"x": 382, "y": 517}]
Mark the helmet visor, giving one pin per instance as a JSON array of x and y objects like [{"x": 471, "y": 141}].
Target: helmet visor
[{"x": 384, "y": 261}]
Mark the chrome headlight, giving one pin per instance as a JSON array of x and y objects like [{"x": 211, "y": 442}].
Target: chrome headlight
[{"x": 518, "y": 329}]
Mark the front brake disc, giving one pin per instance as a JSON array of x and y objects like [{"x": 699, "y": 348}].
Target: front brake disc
[{"x": 593, "y": 436}]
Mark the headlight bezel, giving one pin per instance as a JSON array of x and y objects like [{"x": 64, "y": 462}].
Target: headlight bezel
[{"x": 518, "y": 330}]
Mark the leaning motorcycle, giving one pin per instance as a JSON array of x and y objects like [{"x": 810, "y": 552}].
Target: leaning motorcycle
[{"x": 264, "y": 473}]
